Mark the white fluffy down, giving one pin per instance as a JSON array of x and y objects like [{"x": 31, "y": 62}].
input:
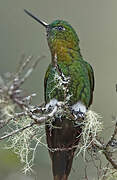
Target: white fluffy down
[{"x": 79, "y": 107}]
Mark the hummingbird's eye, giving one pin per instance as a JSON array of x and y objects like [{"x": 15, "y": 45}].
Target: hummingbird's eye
[{"x": 59, "y": 28}]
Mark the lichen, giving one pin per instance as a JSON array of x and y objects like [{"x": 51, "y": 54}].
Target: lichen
[{"x": 91, "y": 128}]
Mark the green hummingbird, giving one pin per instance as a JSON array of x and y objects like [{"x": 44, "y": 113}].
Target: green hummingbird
[{"x": 69, "y": 79}]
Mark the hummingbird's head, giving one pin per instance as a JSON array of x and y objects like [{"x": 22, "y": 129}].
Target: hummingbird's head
[{"x": 60, "y": 34}]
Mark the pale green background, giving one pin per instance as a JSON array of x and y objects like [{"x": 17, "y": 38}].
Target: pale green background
[{"x": 96, "y": 24}]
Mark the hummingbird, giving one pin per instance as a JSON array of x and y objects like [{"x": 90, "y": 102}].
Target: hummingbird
[{"x": 69, "y": 79}]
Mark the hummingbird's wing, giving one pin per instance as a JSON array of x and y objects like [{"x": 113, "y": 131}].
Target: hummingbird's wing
[
  {"x": 91, "y": 78},
  {"x": 45, "y": 80}
]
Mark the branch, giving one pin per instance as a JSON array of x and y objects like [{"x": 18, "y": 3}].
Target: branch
[
  {"x": 106, "y": 152},
  {"x": 44, "y": 117},
  {"x": 11, "y": 93},
  {"x": 108, "y": 156},
  {"x": 112, "y": 139},
  {"x": 37, "y": 120},
  {"x": 17, "y": 131}
]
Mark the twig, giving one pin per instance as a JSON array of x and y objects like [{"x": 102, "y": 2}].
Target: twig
[
  {"x": 29, "y": 71},
  {"x": 38, "y": 120},
  {"x": 106, "y": 152},
  {"x": 43, "y": 118},
  {"x": 17, "y": 131},
  {"x": 23, "y": 65},
  {"x": 108, "y": 156},
  {"x": 112, "y": 137}
]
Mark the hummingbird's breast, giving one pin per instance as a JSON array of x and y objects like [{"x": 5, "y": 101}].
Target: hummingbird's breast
[
  {"x": 63, "y": 50},
  {"x": 77, "y": 87}
]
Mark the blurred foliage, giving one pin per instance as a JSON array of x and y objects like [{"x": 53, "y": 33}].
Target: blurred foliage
[{"x": 9, "y": 162}]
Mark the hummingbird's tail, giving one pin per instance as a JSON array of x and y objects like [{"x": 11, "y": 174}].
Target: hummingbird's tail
[
  {"x": 61, "y": 164},
  {"x": 62, "y": 141}
]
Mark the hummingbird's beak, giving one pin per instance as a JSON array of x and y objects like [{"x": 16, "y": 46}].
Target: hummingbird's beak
[{"x": 38, "y": 20}]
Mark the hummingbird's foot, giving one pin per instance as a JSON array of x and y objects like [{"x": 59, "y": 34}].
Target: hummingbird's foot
[
  {"x": 78, "y": 114},
  {"x": 79, "y": 110}
]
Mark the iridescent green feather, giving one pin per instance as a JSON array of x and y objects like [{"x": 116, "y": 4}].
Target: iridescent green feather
[{"x": 80, "y": 86}]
